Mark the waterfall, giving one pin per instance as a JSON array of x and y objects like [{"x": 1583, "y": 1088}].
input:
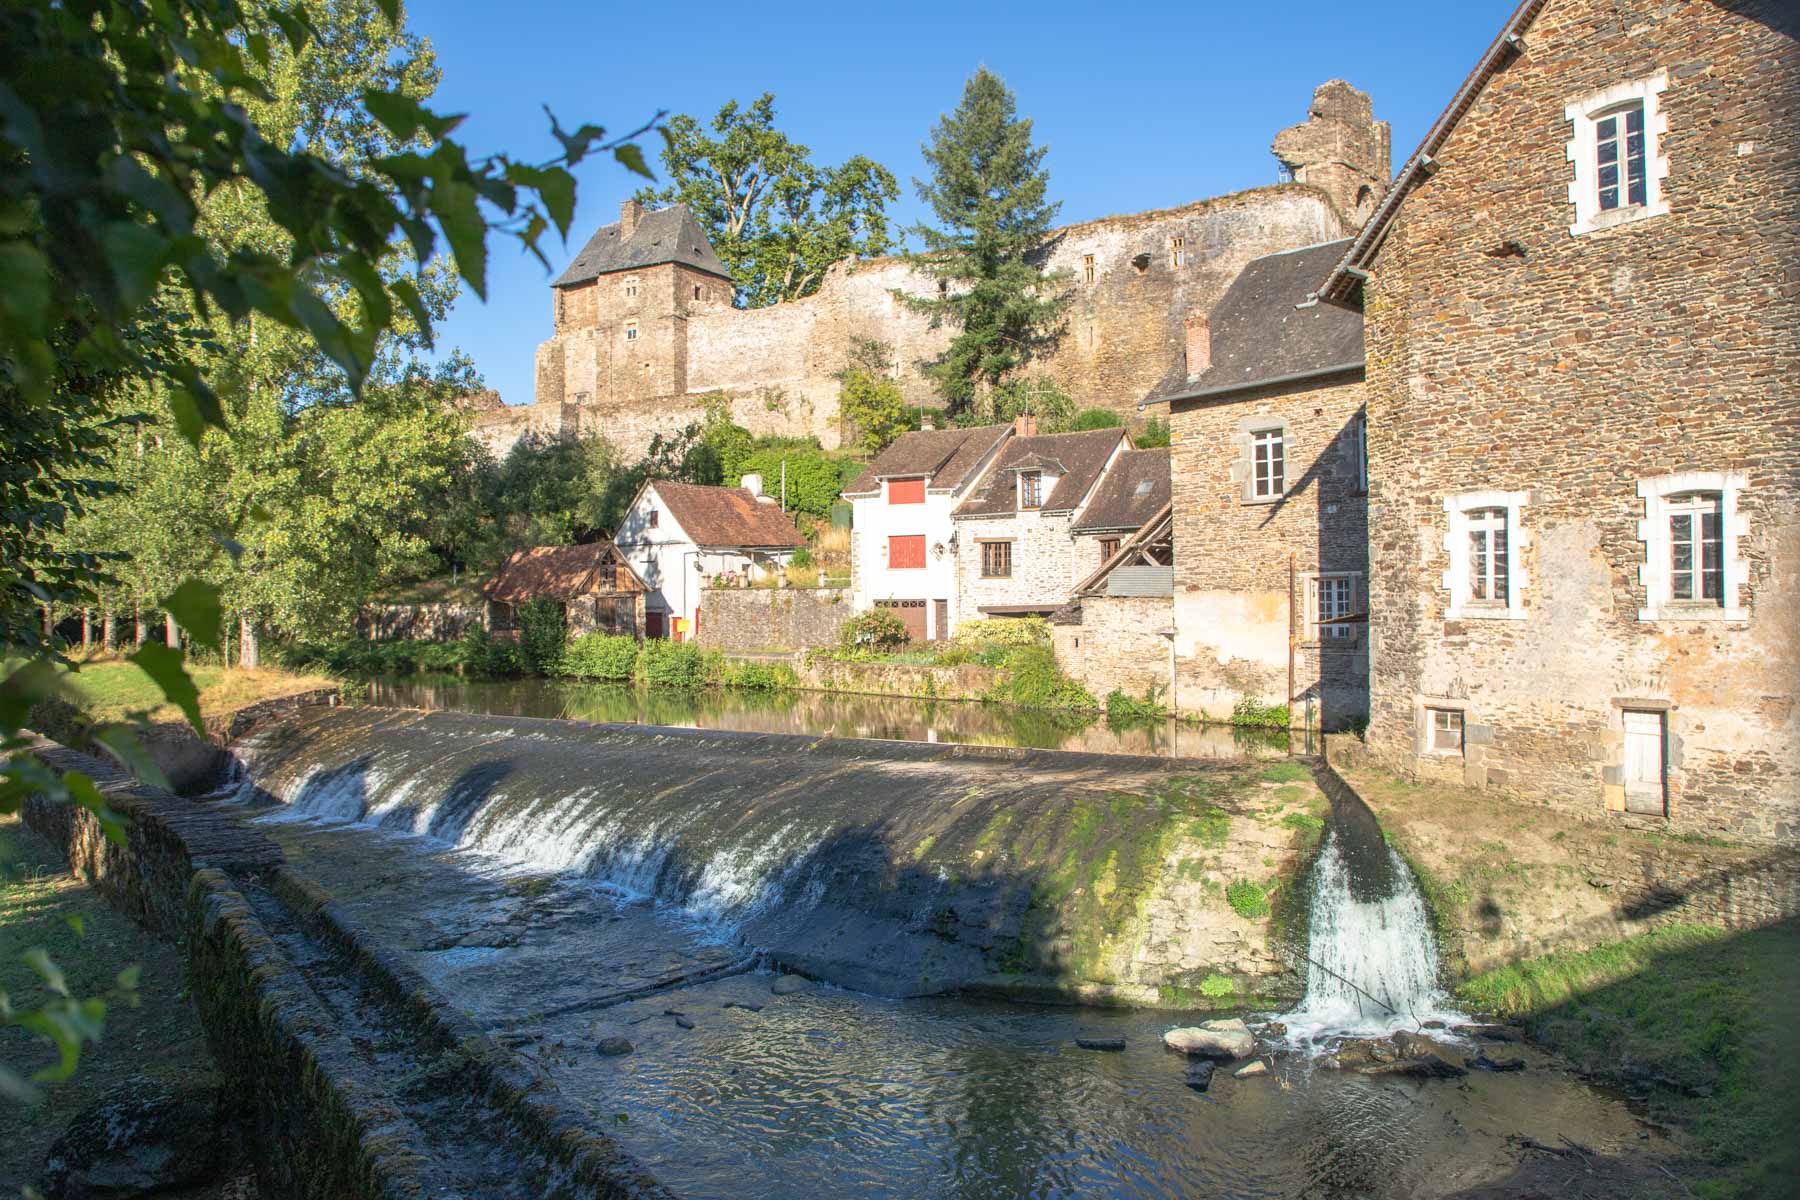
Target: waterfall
[{"x": 1372, "y": 961}]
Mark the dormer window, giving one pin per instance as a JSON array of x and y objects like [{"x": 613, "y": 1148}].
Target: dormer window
[
  {"x": 1031, "y": 489},
  {"x": 1617, "y": 152},
  {"x": 650, "y": 519}
]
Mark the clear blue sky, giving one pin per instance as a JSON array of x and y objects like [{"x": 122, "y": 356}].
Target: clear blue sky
[{"x": 1142, "y": 105}]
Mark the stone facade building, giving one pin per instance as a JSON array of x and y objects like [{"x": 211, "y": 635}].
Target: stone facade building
[
  {"x": 1015, "y": 543},
  {"x": 1583, "y": 381},
  {"x": 645, "y": 334},
  {"x": 1270, "y": 513}
]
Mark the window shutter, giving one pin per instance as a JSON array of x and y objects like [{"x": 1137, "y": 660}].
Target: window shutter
[
  {"x": 906, "y": 491},
  {"x": 907, "y": 550},
  {"x": 1311, "y": 633}
]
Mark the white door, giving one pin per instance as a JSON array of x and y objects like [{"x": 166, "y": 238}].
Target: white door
[{"x": 1644, "y": 777}]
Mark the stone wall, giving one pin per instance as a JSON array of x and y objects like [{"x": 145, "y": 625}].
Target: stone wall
[
  {"x": 1232, "y": 552},
  {"x": 1512, "y": 356},
  {"x": 965, "y": 682},
  {"x": 1116, "y": 644},
  {"x": 772, "y": 618},
  {"x": 419, "y": 622}
]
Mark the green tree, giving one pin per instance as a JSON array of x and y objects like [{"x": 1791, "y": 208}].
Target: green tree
[
  {"x": 870, "y": 402},
  {"x": 776, "y": 219},
  {"x": 1096, "y": 418},
  {"x": 988, "y": 191},
  {"x": 1154, "y": 435}
]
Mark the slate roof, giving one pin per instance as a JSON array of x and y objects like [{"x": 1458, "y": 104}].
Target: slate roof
[
  {"x": 663, "y": 236},
  {"x": 562, "y": 573},
  {"x": 945, "y": 457},
  {"x": 1135, "y": 490},
  {"x": 1258, "y": 336},
  {"x": 1078, "y": 457},
  {"x": 725, "y": 516}
]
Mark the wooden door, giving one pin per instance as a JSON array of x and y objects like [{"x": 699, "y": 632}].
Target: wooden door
[
  {"x": 943, "y": 620},
  {"x": 653, "y": 624},
  {"x": 1645, "y": 775},
  {"x": 911, "y": 614}
]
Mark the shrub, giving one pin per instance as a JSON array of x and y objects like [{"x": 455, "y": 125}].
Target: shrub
[
  {"x": 1247, "y": 900},
  {"x": 1121, "y": 707},
  {"x": 673, "y": 664},
  {"x": 877, "y": 630},
  {"x": 600, "y": 656},
  {"x": 757, "y": 676},
  {"x": 814, "y": 477},
  {"x": 482, "y": 655},
  {"x": 1033, "y": 679},
  {"x": 1004, "y": 631},
  {"x": 1096, "y": 418},
  {"x": 801, "y": 558},
  {"x": 1251, "y": 712},
  {"x": 541, "y": 636},
  {"x": 1154, "y": 434}
]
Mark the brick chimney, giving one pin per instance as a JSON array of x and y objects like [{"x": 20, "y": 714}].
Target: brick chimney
[
  {"x": 630, "y": 213},
  {"x": 927, "y": 420},
  {"x": 1199, "y": 344},
  {"x": 1025, "y": 425}
]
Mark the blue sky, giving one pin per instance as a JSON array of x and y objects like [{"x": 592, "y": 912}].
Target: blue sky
[{"x": 1142, "y": 105}]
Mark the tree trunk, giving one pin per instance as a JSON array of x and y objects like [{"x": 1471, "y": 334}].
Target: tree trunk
[
  {"x": 87, "y": 629},
  {"x": 108, "y": 627},
  {"x": 49, "y": 623},
  {"x": 249, "y": 646},
  {"x": 142, "y": 627},
  {"x": 171, "y": 631}
]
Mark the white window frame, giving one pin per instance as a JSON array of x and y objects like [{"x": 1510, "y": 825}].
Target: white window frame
[
  {"x": 631, "y": 331},
  {"x": 1274, "y": 435},
  {"x": 1177, "y": 252},
  {"x": 1356, "y": 601},
  {"x": 1653, "y": 532},
  {"x": 1038, "y": 501},
  {"x": 1585, "y": 114},
  {"x": 1429, "y": 746},
  {"x": 1456, "y": 577}
]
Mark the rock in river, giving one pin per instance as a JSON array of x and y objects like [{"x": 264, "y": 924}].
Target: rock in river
[
  {"x": 787, "y": 985},
  {"x": 613, "y": 1046},
  {"x": 1255, "y": 1067},
  {"x": 1212, "y": 1039},
  {"x": 1100, "y": 1043},
  {"x": 1199, "y": 1074}
]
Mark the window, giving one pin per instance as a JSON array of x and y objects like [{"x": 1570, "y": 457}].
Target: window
[
  {"x": 1646, "y": 762},
  {"x": 1087, "y": 268},
  {"x": 996, "y": 560},
  {"x": 1691, "y": 530},
  {"x": 1108, "y": 548},
  {"x": 650, "y": 519},
  {"x": 1177, "y": 251},
  {"x": 1616, "y": 149},
  {"x": 1031, "y": 489},
  {"x": 1484, "y": 543},
  {"x": 631, "y": 287},
  {"x": 1487, "y": 556},
  {"x": 1444, "y": 731},
  {"x": 906, "y": 491},
  {"x": 1337, "y": 599},
  {"x": 631, "y": 331},
  {"x": 1359, "y": 451},
  {"x": 698, "y": 294},
  {"x": 1268, "y": 466},
  {"x": 906, "y": 551}
]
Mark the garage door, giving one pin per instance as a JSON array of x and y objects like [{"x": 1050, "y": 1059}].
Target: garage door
[{"x": 911, "y": 614}]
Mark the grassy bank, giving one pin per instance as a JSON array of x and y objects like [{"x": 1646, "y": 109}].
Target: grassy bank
[
  {"x": 1702, "y": 1023},
  {"x": 111, "y": 690}
]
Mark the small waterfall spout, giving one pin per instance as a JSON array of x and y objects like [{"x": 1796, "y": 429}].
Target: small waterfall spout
[{"x": 1372, "y": 961}]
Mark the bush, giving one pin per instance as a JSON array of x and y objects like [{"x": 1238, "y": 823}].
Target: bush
[
  {"x": 1247, "y": 900},
  {"x": 801, "y": 558},
  {"x": 600, "y": 656},
  {"x": 1154, "y": 434},
  {"x": 542, "y": 634},
  {"x": 814, "y": 478},
  {"x": 757, "y": 676},
  {"x": 1096, "y": 418},
  {"x": 1004, "y": 631},
  {"x": 1120, "y": 707},
  {"x": 1033, "y": 679},
  {"x": 673, "y": 664},
  {"x": 482, "y": 655},
  {"x": 877, "y": 630},
  {"x": 1253, "y": 713}
]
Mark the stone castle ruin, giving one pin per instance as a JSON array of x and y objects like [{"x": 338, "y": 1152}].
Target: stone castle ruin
[{"x": 645, "y": 334}]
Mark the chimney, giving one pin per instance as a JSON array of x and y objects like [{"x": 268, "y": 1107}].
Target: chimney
[
  {"x": 1199, "y": 344},
  {"x": 927, "y": 420},
  {"x": 1025, "y": 425},
  {"x": 630, "y": 213},
  {"x": 752, "y": 483}
]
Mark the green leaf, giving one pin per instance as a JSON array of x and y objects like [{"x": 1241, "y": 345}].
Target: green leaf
[
  {"x": 294, "y": 26},
  {"x": 165, "y": 667},
  {"x": 127, "y": 980},
  {"x": 195, "y": 607},
  {"x": 404, "y": 116},
  {"x": 390, "y": 9},
  {"x": 122, "y": 743},
  {"x": 458, "y": 213},
  {"x": 82, "y": 790},
  {"x": 75, "y": 922},
  {"x": 631, "y": 157},
  {"x": 38, "y": 959},
  {"x": 20, "y": 691}
]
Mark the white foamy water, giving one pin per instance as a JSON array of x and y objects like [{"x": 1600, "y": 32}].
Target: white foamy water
[{"x": 1373, "y": 964}]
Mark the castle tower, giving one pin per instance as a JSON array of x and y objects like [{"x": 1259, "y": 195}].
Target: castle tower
[{"x": 1342, "y": 149}]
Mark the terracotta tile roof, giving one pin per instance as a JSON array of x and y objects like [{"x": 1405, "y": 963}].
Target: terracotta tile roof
[
  {"x": 945, "y": 457},
  {"x": 1259, "y": 336},
  {"x": 562, "y": 573},
  {"x": 723, "y": 516},
  {"x": 1077, "y": 457},
  {"x": 1135, "y": 490},
  {"x": 664, "y": 236}
]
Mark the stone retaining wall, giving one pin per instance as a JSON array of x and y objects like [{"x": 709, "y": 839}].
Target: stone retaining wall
[
  {"x": 749, "y": 619},
  {"x": 964, "y": 682},
  {"x": 419, "y": 622}
]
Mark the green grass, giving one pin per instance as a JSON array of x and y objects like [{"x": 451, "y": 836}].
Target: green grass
[
  {"x": 110, "y": 691},
  {"x": 1703, "y": 1020},
  {"x": 1286, "y": 772}
]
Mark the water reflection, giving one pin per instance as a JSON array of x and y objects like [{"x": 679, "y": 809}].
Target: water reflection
[{"x": 836, "y": 714}]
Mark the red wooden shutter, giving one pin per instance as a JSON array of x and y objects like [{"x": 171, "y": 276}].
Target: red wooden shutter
[
  {"x": 906, "y": 491},
  {"x": 906, "y": 551}
]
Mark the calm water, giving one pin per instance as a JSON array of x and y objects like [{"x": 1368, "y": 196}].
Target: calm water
[{"x": 836, "y": 714}]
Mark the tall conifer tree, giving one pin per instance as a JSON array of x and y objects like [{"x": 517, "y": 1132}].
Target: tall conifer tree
[{"x": 987, "y": 191}]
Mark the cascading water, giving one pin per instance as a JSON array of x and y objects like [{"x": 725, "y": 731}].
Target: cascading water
[{"x": 1372, "y": 960}]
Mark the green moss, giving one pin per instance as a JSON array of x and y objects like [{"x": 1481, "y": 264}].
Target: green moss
[
  {"x": 1248, "y": 900},
  {"x": 1304, "y": 823},
  {"x": 1285, "y": 772},
  {"x": 1217, "y": 987}
]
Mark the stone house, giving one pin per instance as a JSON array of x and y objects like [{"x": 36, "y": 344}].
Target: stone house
[
  {"x": 902, "y": 541},
  {"x": 1015, "y": 543},
  {"x": 678, "y": 535},
  {"x": 1270, "y": 511},
  {"x": 645, "y": 334},
  {"x": 594, "y": 584},
  {"x": 1583, "y": 380},
  {"x": 1116, "y": 633}
]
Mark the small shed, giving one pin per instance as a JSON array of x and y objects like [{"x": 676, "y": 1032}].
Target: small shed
[{"x": 598, "y": 590}]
